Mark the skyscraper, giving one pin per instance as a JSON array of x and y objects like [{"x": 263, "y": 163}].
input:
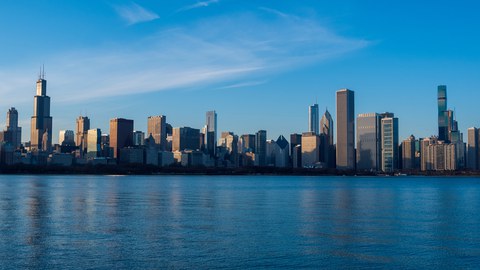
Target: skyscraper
[
  {"x": 94, "y": 146},
  {"x": 442, "y": 113},
  {"x": 473, "y": 150},
  {"x": 368, "y": 142},
  {"x": 157, "y": 127},
  {"x": 138, "y": 138},
  {"x": 313, "y": 119},
  {"x": 41, "y": 127},
  {"x": 261, "y": 148},
  {"x": 81, "y": 130},
  {"x": 121, "y": 134},
  {"x": 345, "y": 151},
  {"x": 327, "y": 152},
  {"x": 211, "y": 133},
  {"x": 296, "y": 156},
  {"x": 281, "y": 152},
  {"x": 185, "y": 138},
  {"x": 66, "y": 137},
  {"x": 248, "y": 143},
  {"x": 408, "y": 153},
  {"x": 389, "y": 142},
  {"x": 13, "y": 128},
  {"x": 310, "y": 149}
]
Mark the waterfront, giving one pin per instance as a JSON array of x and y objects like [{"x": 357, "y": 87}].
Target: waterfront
[{"x": 202, "y": 222}]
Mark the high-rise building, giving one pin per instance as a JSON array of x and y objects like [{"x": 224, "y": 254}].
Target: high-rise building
[
  {"x": 94, "y": 143},
  {"x": 368, "y": 142},
  {"x": 248, "y": 143},
  {"x": 185, "y": 138},
  {"x": 157, "y": 127},
  {"x": 408, "y": 153},
  {"x": 473, "y": 150},
  {"x": 229, "y": 142},
  {"x": 438, "y": 155},
  {"x": 211, "y": 133},
  {"x": 296, "y": 156},
  {"x": 41, "y": 127},
  {"x": 327, "y": 153},
  {"x": 14, "y": 131},
  {"x": 82, "y": 124},
  {"x": 66, "y": 137},
  {"x": 442, "y": 113},
  {"x": 313, "y": 119},
  {"x": 261, "y": 148},
  {"x": 121, "y": 134},
  {"x": 310, "y": 149},
  {"x": 281, "y": 152},
  {"x": 345, "y": 150},
  {"x": 138, "y": 138},
  {"x": 389, "y": 143}
]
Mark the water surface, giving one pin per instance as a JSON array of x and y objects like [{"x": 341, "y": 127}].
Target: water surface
[{"x": 201, "y": 222}]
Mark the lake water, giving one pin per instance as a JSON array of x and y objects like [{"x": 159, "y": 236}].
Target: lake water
[{"x": 202, "y": 222}]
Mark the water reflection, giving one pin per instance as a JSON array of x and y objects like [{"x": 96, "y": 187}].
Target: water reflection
[{"x": 240, "y": 222}]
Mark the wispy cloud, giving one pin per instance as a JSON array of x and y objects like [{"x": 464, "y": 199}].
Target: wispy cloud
[
  {"x": 244, "y": 84},
  {"x": 214, "y": 52},
  {"x": 134, "y": 13},
  {"x": 200, "y": 4}
]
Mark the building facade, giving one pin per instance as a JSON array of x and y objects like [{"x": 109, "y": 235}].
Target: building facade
[
  {"x": 310, "y": 150},
  {"x": 261, "y": 148},
  {"x": 41, "y": 123},
  {"x": 345, "y": 150},
  {"x": 185, "y": 138},
  {"x": 389, "y": 143},
  {"x": 327, "y": 141},
  {"x": 409, "y": 154},
  {"x": 66, "y": 137},
  {"x": 157, "y": 128},
  {"x": 82, "y": 125},
  {"x": 473, "y": 149},
  {"x": 211, "y": 133},
  {"x": 313, "y": 119},
  {"x": 121, "y": 134},
  {"x": 442, "y": 113},
  {"x": 368, "y": 142},
  {"x": 94, "y": 143},
  {"x": 13, "y": 128}
]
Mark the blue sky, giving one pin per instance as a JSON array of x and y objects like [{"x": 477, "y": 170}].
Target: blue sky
[{"x": 259, "y": 64}]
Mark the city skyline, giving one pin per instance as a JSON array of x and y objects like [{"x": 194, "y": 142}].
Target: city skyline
[{"x": 95, "y": 72}]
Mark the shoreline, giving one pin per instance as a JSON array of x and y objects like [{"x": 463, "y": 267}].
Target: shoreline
[{"x": 21, "y": 169}]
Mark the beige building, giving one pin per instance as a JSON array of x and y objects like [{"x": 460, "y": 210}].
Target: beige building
[
  {"x": 438, "y": 155},
  {"x": 157, "y": 127},
  {"x": 310, "y": 149},
  {"x": 82, "y": 124},
  {"x": 408, "y": 153}
]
